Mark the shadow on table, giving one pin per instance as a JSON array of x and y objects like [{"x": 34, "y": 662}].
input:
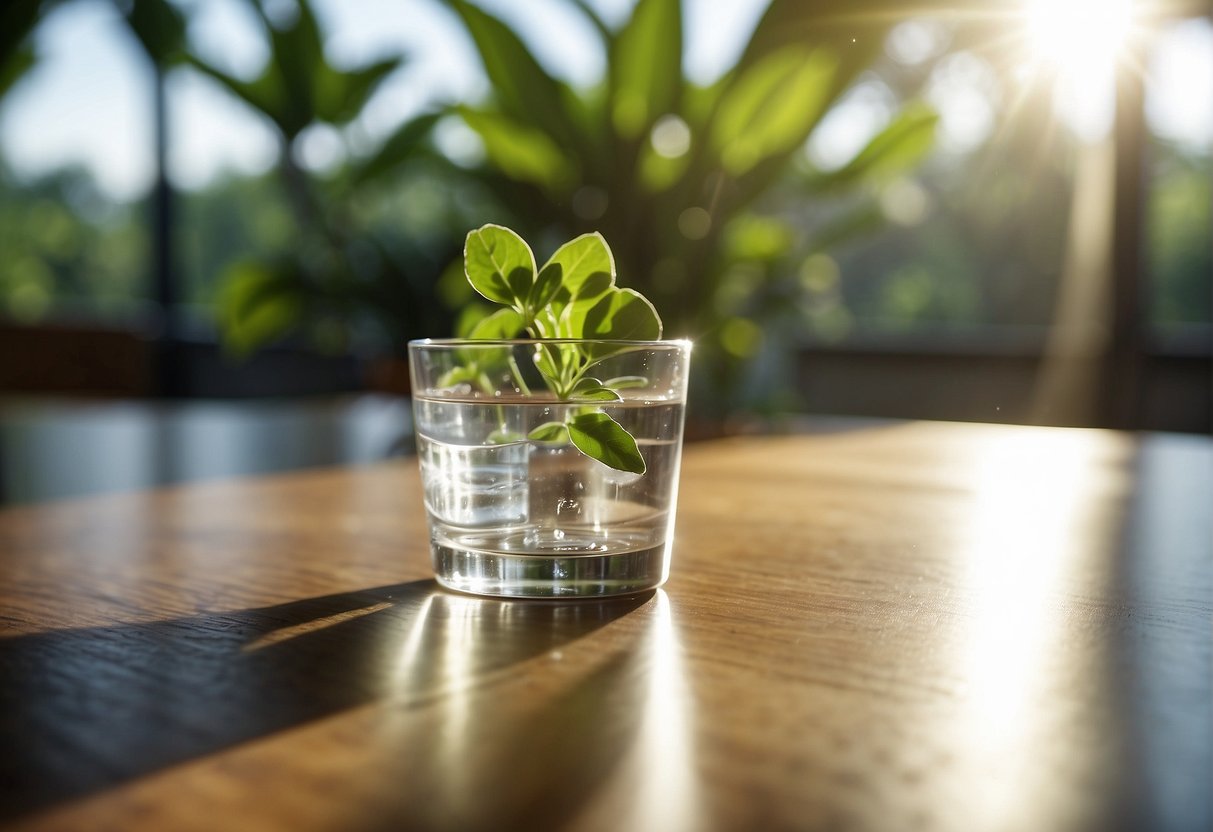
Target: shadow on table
[{"x": 86, "y": 709}]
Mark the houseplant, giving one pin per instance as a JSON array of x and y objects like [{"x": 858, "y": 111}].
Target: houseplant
[{"x": 550, "y": 464}]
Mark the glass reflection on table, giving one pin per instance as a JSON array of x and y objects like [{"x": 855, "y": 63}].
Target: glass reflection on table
[{"x": 605, "y": 729}]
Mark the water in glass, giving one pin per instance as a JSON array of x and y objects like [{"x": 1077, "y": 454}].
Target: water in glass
[{"x": 516, "y": 517}]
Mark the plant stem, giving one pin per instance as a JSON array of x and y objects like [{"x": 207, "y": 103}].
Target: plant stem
[{"x": 522, "y": 385}]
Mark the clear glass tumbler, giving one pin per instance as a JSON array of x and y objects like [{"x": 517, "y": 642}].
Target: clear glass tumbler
[{"x": 515, "y": 512}]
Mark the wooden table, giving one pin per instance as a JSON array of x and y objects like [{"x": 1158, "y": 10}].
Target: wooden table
[{"x": 909, "y": 626}]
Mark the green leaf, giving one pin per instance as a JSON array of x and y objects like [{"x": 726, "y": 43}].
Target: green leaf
[
  {"x": 406, "y": 142},
  {"x": 501, "y": 436},
  {"x": 519, "y": 150},
  {"x": 470, "y": 315},
  {"x": 595, "y": 394},
  {"x": 257, "y": 303},
  {"x": 600, "y": 437},
  {"x": 458, "y": 375},
  {"x": 646, "y": 66},
  {"x": 551, "y": 433},
  {"x": 572, "y": 318},
  {"x": 773, "y": 106},
  {"x": 521, "y": 86},
  {"x": 787, "y": 22},
  {"x": 625, "y": 382},
  {"x": 263, "y": 94},
  {"x": 341, "y": 95},
  {"x": 547, "y": 285},
  {"x": 297, "y": 54},
  {"x": 892, "y": 151},
  {"x": 622, "y": 315},
  {"x": 751, "y": 237},
  {"x": 499, "y": 265},
  {"x": 502, "y": 325},
  {"x": 581, "y": 259}
]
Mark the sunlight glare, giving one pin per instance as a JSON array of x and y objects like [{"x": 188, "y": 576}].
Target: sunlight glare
[
  {"x": 1032, "y": 501},
  {"x": 1078, "y": 37},
  {"x": 1079, "y": 44}
]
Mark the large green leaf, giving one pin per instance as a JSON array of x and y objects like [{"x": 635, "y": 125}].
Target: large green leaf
[
  {"x": 298, "y": 86},
  {"x": 772, "y": 106},
  {"x": 257, "y": 303},
  {"x": 297, "y": 51},
  {"x": 894, "y": 150},
  {"x": 408, "y": 141},
  {"x": 853, "y": 32},
  {"x": 858, "y": 26},
  {"x": 499, "y": 265},
  {"x": 262, "y": 94},
  {"x": 523, "y": 89},
  {"x": 646, "y": 66},
  {"x": 520, "y": 151},
  {"x": 341, "y": 94}
]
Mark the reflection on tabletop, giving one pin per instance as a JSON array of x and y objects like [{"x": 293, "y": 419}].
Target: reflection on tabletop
[{"x": 148, "y": 696}]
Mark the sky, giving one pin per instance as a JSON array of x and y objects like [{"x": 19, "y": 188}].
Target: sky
[{"x": 87, "y": 101}]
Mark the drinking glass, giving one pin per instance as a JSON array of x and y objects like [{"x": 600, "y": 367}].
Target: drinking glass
[{"x": 516, "y": 516}]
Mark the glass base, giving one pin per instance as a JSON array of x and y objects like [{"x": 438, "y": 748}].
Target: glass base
[{"x": 544, "y": 576}]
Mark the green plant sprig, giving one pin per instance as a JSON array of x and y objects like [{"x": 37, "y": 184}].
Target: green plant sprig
[{"x": 572, "y": 298}]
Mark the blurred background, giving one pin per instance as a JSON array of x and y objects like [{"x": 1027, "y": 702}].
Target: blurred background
[{"x": 221, "y": 220}]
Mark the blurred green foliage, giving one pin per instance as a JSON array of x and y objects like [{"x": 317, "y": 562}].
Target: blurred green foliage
[
  {"x": 684, "y": 180},
  {"x": 17, "y": 21},
  {"x": 65, "y": 246},
  {"x": 1180, "y": 216},
  {"x": 703, "y": 191},
  {"x": 335, "y": 275}
]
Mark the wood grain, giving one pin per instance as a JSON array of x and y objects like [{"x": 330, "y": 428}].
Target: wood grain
[{"x": 915, "y": 626}]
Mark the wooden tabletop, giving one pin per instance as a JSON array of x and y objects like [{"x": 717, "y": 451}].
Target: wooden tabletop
[{"x": 906, "y": 626}]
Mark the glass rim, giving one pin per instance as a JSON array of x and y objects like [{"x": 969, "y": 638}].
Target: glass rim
[{"x": 462, "y": 343}]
